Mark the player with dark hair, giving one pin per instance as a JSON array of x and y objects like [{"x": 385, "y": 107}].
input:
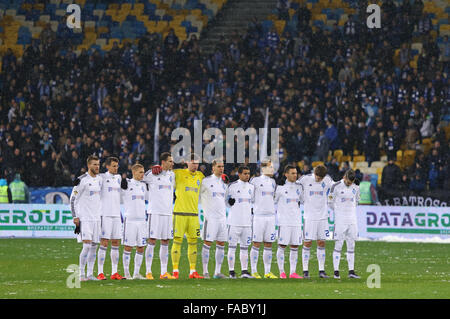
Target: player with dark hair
[
  {"x": 315, "y": 188},
  {"x": 86, "y": 208},
  {"x": 239, "y": 197},
  {"x": 160, "y": 225},
  {"x": 263, "y": 224},
  {"x": 111, "y": 222},
  {"x": 343, "y": 199},
  {"x": 287, "y": 198}
]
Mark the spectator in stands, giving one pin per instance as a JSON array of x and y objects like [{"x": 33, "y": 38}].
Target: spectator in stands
[
  {"x": 391, "y": 175},
  {"x": 303, "y": 16},
  {"x": 333, "y": 169},
  {"x": 427, "y": 128},
  {"x": 283, "y": 9},
  {"x": 416, "y": 10},
  {"x": 411, "y": 135},
  {"x": 417, "y": 184},
  {"x": 371, "y": 148},
  {"x": 404, "y": 183},
  {"x": 323, "y": 146}
]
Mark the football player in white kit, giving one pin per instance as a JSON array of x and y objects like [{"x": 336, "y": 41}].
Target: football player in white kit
[
  {"x": 111, "y": 221},
  {"x": 287, "y": 198},
  {"x": 160, "y": 226},
  {"x": 212, "y": 199},
  {"x": 315, "y": 189},
  {"x": 263, "y": 219},
  {"x": 85, "y": 205},
  {"x": 343, "y": 199},
  {"x": 240, "y": 196},
  {"x": 135, "y": 232}
]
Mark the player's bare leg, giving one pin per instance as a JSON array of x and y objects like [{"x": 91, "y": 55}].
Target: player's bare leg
[
  {"x": 267, "y": 259},
  {"x": 321, "y": 258},
  {"x": 115, "y": 243},
  {"x": 254, "y": 255},
  {"x": 306, "y": 253}
]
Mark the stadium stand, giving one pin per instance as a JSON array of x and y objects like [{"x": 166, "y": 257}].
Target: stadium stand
[{"x": 367, "y": 95}]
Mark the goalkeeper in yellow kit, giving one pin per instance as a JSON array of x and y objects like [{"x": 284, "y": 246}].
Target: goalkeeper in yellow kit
[{"x": 185, "y": 214}]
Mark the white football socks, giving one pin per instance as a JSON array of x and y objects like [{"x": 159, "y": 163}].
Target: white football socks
[
  {"x": 149, "y": 257},
  {"x": 280, "y": 259},
  {"x": 220, "y": 254},
  {"x": 83, "y": 258},
  {"x": 267, "y": 259}
]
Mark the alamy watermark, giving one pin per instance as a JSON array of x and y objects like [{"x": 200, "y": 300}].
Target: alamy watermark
[
  {"x": 214, "y": 149},
  {"x": 374, "y": 279},
  {"x": 73, "y": 280}
]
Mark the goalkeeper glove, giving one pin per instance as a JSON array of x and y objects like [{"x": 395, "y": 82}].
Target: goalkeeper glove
[
  {"x": 77, "y": 228},
  {"x": 124, "y": 184},
  {"x": 225, "y": 178},
  {"x": 156, "y": 169},
  {"x": 231, "y": 201}
]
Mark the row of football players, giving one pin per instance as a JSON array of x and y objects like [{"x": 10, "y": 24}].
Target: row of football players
[{"x": 96, "y": 199}]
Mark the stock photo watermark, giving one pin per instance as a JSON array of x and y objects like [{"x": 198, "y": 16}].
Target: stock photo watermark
[
  {"x": 73, "y": 280},
  {"x": 374, "y": 279},
  {"x": 214, "y": 148}
]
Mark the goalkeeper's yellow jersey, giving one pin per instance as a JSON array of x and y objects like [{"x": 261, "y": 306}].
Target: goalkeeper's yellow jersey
[{"x": 187, "y": 190}]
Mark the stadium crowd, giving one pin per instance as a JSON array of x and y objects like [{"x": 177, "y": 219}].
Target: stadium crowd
[{"x": 325, "y": 91}]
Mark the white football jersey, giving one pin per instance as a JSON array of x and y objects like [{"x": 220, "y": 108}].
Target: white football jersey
[
  {"x": 343, "y": 200},
  {"x": 134, "y": 198},
  {"x": 265, "y": 188},
  {"x": 85, "y": 200},
  {"x": 110, "y": 194},
  {"x": 161, "y": 189},
  {"x": 240, "y": 214},
  {"x": 287, "y": 198},
  {"x": 212, "y": 197},
  {"x": 315, "y": 196}
]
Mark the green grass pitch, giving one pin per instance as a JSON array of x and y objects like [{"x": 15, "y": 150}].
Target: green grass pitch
[{"x": 36, "y": 268}]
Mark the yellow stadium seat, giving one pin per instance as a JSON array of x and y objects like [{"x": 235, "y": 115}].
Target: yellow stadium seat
[
  {"x": 113, "y": 6},
  {"x": 346, "y": 158},
  {"x": 361, "y": 165},
  {"x": 279, "y": 26},
  {"x": 316, "y": 163},
  {"x": 377, "y": 164},
  {"x": 321, "y": 17},
  {"x": 338, "y": 154},
  {"x": 408, "y": 158},
  {"x": 125, "y": 7},
  {"x": 359, "y": 158}
]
